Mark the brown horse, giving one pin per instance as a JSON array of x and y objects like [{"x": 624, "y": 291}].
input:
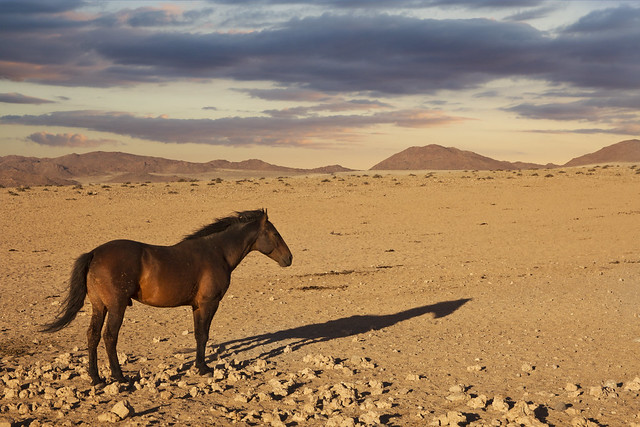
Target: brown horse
[{"x": 195, "y": 272}]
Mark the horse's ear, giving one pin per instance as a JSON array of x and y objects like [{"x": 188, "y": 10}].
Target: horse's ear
[{"x": 265, "y": 217}]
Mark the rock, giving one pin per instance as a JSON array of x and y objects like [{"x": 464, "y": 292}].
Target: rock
[
  {"x": 340, "y": 421},
  {"x": 260, "y": 366},
  {"x": 601, "y": 392},
  {"x": 452, "y": 418},
  {"x": 370, "y": 418},
  {"x": 478, "y": 402},
  {"x": 193, "y": 391},
  {"x": 633, "y": 385},
  {"x": 108, "y": 417},
  {"x": 582, "y": 422},
  {"x": 122, "y": 409},
  {"x": 499, "y": 404},
  {"x": 123, "y": 358},
  {"x": 458, "y": 388},
  {"x": 274, "y": 419},
  {"x": 6, "y": 422},
  {"x": 376, "y": 387},
  {"x": 113, "y": 388},
  {"x": 560, "y": 406},
  {"x": 457, "y": 397},
  {"x": 527, "y": 368},
  {"x": 571, "y": 387}
]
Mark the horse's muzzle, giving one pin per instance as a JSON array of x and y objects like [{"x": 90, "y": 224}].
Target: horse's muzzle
[{"x": 286, "y": 260}]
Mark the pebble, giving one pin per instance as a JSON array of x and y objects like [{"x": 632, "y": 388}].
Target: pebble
[
  {"x": 499, "y": 404},
  {"x": 122, "y": 409},
  {"x": 108, "y": 417},
  {"x": 327, "y": 391}
]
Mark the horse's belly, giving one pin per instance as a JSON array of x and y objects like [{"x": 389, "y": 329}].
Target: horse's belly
[{"x": 159, "y": 295}]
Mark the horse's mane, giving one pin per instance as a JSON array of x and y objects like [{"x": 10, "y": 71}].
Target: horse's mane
[{"x": 222, "y": 224}]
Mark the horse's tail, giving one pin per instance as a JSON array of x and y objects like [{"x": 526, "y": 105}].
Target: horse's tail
[{"x": 75, "y": 298}]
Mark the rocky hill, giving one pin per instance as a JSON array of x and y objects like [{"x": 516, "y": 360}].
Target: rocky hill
[
  {"x": 437, "y": 157},
  {"x": 123, "y": 167},
  {"x": 625, "y": 151}
]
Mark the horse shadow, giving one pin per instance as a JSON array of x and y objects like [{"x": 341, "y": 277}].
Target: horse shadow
[{"x": 298, "y": 337}]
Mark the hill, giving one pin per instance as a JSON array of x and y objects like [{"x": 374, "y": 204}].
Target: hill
[
  {"x": 123, "y": 167},
  {"x": 625, "y": 151},
  {"x": 437, "y": 157}
]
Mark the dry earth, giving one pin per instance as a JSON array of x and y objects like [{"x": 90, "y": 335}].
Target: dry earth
[{"x": 460, "y": 298}]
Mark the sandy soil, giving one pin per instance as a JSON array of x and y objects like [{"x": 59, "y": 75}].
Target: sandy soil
[{"x": 461, "y": 298}]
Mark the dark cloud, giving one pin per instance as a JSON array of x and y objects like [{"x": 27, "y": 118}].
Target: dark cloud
[
  {"x": 18, "y": 98},
  {"x": 612, "y": 19},
  {"x": 530, "y": 14},
  {"x": 290, "y": 131},
  {"x": 166, "y": 16},
  {"x": 617, "y": 112},
  {"x": 25, "y": 7},
  {"x": 338, "y": 106},
  {"x": 286, "y": 94},
  {"x": 66, "y": 140},
  {"x": 385, "y": 4},
  {"x": 380, "y": 54},
  {"x": 385, "y": 54}
]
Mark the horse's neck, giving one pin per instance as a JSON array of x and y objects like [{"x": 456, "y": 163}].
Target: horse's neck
[{"x": 236, "y": 243}]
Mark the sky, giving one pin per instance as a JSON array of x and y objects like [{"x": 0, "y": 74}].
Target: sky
[{"x": 309, "y": 83}]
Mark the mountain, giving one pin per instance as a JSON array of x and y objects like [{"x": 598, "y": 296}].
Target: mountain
[
  {"x": 625, "y": 151},
  {"x": 123, "y": 167},
  {"x": 437, "y": 157}
]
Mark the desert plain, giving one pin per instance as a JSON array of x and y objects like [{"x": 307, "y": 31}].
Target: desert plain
[{"x": 424, "y": 298}]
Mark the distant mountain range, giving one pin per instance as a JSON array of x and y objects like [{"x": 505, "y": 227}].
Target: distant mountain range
[
  {"x": 436, "y": 157},
  {"x": 122, "y": 167}
]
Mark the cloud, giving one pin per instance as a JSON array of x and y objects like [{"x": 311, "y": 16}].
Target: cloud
[
  {"x": 615, "y": 111},
  {"x": 18, "y": 98},
  {"x": 278, "y": 131},
  {"x": 38, "y": 6},
  {"x": 287, "y": 94},
  {"x": 352, "y": 105},
  {"x": 66, "y": 140},
  {"x": 603, "y": 106},
  {"x": 612, "y": 19},
  {"x": 355, "y": 52},
  {"x": 385, "y": 4},
  {"x": 163, "y": 16}
]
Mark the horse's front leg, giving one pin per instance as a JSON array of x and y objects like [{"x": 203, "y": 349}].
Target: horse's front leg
[{"x": 202, "y": 316}]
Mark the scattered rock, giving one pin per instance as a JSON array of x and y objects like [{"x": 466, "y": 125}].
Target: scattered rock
[
  {"x": 499, "y": 404},
  {"x": 122, "y": 409},
  {"x": 108, "y": 417},
  {"x": 633, "y": 385}
]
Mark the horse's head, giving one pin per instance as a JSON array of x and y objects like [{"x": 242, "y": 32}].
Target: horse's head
[{"x": 270, "y": 243}]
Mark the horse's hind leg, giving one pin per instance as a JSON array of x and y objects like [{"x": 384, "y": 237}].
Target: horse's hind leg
[
  {"x": 202, "y": 316},
  {"x": 110, "y": 335},
  {"x": 93, "y": 338}
]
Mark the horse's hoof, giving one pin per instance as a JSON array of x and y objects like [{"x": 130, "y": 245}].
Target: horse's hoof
[
  {"x": 98, "y": 383},
  {"x": 205, "y": 370},
  {"x": 121, "y": 379}
]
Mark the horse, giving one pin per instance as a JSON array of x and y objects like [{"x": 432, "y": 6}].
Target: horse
[{"x": 194, "y": 272}]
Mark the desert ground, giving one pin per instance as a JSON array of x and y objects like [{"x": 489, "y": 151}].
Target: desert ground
[{"x": 448, "y": 298}]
